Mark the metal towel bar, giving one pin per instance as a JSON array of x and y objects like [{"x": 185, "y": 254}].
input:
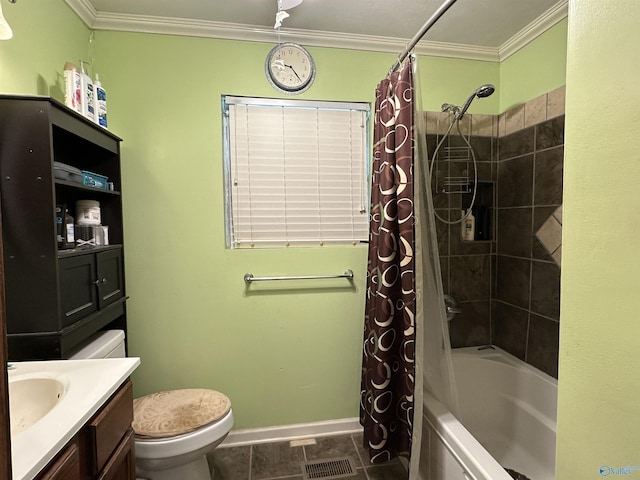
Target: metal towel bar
[{"x": 248, "y": 277}]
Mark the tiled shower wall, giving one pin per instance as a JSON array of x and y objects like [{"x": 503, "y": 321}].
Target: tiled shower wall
[{"x": 509, "y": 287}]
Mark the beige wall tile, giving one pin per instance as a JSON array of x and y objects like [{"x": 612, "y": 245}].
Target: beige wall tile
[
  {"x": 432, "y": 118},
  {"x": 465, "y": 125},
  {"x": 482, "y": 125},
  {"x": 514, "y": 119},
  {"x": 438, "y": 122},
  {"x": 535, "y": 111},
  {"x": 557, "y": 256},
  {"x": 502, "y": 125},
  {"x": 555, "y": 102},
  {"x": 558, "y": 213},
  {"x": 550, "y": 234}
]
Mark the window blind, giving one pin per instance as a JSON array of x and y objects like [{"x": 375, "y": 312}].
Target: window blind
[{"x": 297, "y": 173}]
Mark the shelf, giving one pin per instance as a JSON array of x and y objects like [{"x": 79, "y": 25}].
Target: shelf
[
  {"x": 53, "y": 298},
  {"x": 79, "y": 186},
  {"x": 72, "y": 252}
]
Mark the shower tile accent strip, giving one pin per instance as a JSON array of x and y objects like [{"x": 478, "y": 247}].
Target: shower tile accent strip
[{"x": 509, "y": 288}]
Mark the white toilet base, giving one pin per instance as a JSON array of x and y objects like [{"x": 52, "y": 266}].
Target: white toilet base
[{"x": 197, "y": 469}]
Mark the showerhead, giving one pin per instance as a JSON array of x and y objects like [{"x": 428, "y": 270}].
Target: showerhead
[
  {"x": 482, "y": 92},
  {"x": 485, "y": 90}
]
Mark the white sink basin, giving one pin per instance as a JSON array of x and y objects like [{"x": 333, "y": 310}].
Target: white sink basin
[
  {"x": 30, "y": 399},
  {"x": 51, "y": 400}
]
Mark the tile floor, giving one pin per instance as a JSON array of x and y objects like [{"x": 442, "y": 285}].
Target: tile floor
[{"x": 270, "y": 461}]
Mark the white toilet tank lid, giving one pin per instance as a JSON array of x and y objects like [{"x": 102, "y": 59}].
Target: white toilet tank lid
[{"x": 99, "y": 345}]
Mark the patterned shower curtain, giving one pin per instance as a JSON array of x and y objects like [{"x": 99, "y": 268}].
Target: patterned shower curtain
[{"x": 388, "y": 363}]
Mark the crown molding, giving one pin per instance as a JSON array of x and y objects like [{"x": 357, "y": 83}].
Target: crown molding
[
  {"x": 536, "y": 28},
  {"x": 84, "y": 10},
  {"x": 315, "y": 38}
]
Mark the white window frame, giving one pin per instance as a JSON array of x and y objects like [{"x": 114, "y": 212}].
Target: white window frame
[{"x": 341, "y": 218}]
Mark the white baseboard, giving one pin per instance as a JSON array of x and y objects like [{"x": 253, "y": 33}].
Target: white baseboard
[{"x": 283, "y": 433}]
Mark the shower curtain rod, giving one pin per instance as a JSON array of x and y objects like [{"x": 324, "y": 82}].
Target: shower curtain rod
[{"x": 425, "y": 28}]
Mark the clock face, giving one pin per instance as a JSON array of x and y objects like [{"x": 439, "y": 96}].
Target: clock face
[{"x": 290, "y": 68}]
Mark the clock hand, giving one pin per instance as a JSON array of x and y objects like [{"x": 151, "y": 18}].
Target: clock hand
[{"x": 294, "y": 71}]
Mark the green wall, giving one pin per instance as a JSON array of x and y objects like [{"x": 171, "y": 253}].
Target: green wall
[
  {"x": 537, "y": 68},
  {"x": 284, "y": 353},
  {"x": 599, "y": 407},
  {"x": 46, "y": 34}
]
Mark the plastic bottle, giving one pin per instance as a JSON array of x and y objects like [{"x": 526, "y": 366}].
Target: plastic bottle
[
  {"x": 101, "y": 103},
  {"x": 60, "y": 228},
  {"x": 469, "y": 227},
  {"x": 65, "y": 227},
  {"x": 72, "y": 90},
  {"x": 88, "y": 98}
]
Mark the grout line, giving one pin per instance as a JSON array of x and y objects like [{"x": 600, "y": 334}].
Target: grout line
[
  {"x": 250, "y": 460},
  {"x": 355, "y": 446}
]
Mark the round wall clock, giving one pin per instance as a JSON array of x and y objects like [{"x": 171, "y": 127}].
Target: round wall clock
[{"x": 290, "y": 68}]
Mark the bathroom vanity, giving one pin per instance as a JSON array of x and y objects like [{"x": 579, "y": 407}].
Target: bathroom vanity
[
  {"x": 57, "y": 297},
  {"x": 86, "y": 433}
]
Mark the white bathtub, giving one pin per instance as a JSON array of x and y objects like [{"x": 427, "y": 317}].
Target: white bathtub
[{"x": 508, "y": 413}]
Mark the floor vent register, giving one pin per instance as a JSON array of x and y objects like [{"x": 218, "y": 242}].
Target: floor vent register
[{"x": 327, "y": 469}]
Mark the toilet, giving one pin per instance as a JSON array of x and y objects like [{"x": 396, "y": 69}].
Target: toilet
[{"x": 175, "y": 429}]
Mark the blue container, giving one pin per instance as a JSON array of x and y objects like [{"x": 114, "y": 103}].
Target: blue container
[{"x": 91, "y": 179}]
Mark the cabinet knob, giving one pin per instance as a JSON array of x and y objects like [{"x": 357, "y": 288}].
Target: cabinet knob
[{"x": 100, "y": 281}]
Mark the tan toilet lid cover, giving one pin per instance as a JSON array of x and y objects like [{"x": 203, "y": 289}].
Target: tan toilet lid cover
[{"x": 176, "y": 412}]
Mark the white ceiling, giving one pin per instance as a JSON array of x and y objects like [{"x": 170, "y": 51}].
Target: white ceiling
[{"x": 483, "y": 26}]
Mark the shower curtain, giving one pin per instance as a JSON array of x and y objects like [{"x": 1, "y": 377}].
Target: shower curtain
[
  {"x": 406, "y": 340},
  {"x": 388, "y": 365}
]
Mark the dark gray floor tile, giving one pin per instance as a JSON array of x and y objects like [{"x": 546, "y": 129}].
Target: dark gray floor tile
[
  {"x": 362, "y": 453},
  {"x": 393, "y": 470},
  {"x": 360, "y": 475},
  {"x": 273, "y": 460},
  {"x": 329, "y": 447},
  {"x": 230, "y": 463}
]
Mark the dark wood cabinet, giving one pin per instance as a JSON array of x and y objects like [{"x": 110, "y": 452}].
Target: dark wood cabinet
[
  {"x": 104, "y": 447},
  {"x": 56, "y": 298},
  {"x": 89, "y": 282},
  {"x": 66, "y": 466}
]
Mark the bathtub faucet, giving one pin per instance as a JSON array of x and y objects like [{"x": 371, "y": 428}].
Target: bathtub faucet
[{"x": 451, "y": 307}]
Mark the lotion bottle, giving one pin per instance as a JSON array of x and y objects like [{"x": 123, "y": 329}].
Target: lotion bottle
[
  {"x": 100, "y": 103},
  {"x": 88, "y": 99},
  {"x": 469, "y": 227},
  {"x": 72, "y": 87}
]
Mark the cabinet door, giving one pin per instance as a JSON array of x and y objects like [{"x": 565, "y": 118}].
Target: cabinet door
[
  {"x": 78, "y": 296},
  {"x": 122, "y": 464},
  {"x": 110, "y": 277},
  {"x": 65, "y": 467}
]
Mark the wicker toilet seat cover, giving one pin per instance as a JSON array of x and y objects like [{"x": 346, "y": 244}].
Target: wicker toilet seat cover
[{"x": 176, "y": 412}]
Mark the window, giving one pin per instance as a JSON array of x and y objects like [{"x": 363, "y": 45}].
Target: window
[{"x": 296, "y": 172}]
